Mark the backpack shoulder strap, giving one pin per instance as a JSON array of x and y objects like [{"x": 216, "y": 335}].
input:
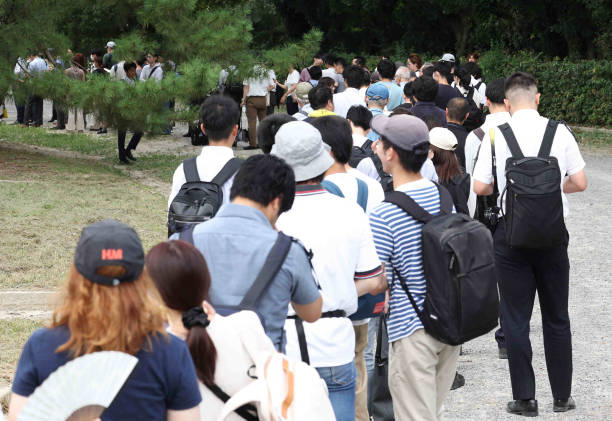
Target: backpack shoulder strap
[
  {"x": 446, "y": 200},
  {"x": 272, "y": 265},
  {"x": 187, "y": 234},
  {"x": 367, "y": 145},
  {"x": 479, "y": 133},
  {"x": 191, "y": 170},
  {"x": 549, "y": 136},
  {"x": 515, "y": 149},
  {"x": 408, "y": 205},
  {"x": 332, "y": 188},
  {"x": 227, "y": 171},
  {"x": 247, "y": 411},
  {"x": 362, "y": 194}
]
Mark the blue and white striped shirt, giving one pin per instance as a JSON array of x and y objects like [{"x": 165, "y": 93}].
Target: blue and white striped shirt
[{"x": 397, "y": 237}]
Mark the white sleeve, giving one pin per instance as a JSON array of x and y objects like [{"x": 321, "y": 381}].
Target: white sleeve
[
  {"x": 483, "y": 170},
  {"x": 178, "y": 179},
  {"x": 573, "y": 158},
  {"x": 366, "y": 166},
  {"x": 143, "y": 72},
  {"x": 368, "y": 263},
  {"x": 471, "y": 149}
]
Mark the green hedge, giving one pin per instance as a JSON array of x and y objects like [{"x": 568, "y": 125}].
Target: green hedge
[{"x": 579, "y": 92}]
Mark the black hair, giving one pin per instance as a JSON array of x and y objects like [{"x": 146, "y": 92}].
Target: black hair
[
  {"x": 315, "y": 72},
  {"x": 353, "y": 76},
  {"x": 495, "y": 91},
  {"x": 336, "y": 132},
  {"x": 220, "y": 114},
  {"x": 444, "y": 70},
  {"x": 317, "y": 55},
  {"x": 267, "y": 128},
  {"x": 367, "y": 77},
  {"x": 458, "y": 109},
  {"x": 315, "y": 180},
  {"x": 319, "y": 96},
  {"x": 409, "y": 90},
  {"x": 464, "y": 76},
  {"x": 474, "y": 69},
  {"x": 402, "y": 109},
  {"x": 432, "y": 121},
  {"x": 425, "y": 89},
  {"x": 409, "y": 160},
  {"x": 142, "y": 60},
  {"x": 340, "y": 61},
  {"x": 263, "y": 178},
  {"x": 386, "y": 69},
  {"x": 128, "y": 65},
  {"x": 427, "y": 71},
  {"x": 360, "y": 116},
  {"x": 329, "y": 59},
  {"x": 520, "y": 80},
  {"x": 360, "y": 61}
]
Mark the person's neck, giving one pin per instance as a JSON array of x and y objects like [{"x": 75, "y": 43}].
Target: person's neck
[
  {"x": 401, "y": 177},
  {"x": 494, "y": 109},
  {"x": 358, "y": 131},
  {"x": 175, "y": 321},
  {"x": 384, "y": 79},
  {"x": 458, "y": 123},
  {"x": 335, "y": 169},
  {"x": 228, "y": 143},
  {"x": 442, "y": 81},
  {"x": 375, "y": 107},
  {"x": 522, "y": 106}
]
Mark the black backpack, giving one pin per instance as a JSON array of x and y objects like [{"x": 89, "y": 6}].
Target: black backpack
[
  {"x": 198, "y": 201},
  {"x": 461, "y": 301},
  {"x": 459, "y": 189},
  {"x": 534, "y": 205},
  {"x": 475, "y": 117},
  {"x": 359, "y": 153}
]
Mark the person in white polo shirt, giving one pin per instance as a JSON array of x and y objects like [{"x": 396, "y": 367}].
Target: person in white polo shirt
[
  {"x": 353, "y": 77},
  {"x": 255, "y": 90},
  {"x": 522, "y": 270},
  {"x": 344, "y": 259}
]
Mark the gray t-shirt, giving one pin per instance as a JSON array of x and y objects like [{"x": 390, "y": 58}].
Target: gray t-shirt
[{"x": 235, "y": 244}]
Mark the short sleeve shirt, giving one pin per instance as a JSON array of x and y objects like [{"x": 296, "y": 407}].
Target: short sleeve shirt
[
  {"x": 235, "y": 244},
  {"x": 338, "y": 233},
  {"x": 528, "y": 127},
  {"x": 164, "y": 378}
]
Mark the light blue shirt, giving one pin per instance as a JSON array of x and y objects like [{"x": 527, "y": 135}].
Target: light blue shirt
[
  {"x": 37, "y": 66},
  {"x": 396, "y": 95},
  {"x": 372, "y": 135},
  {"x": 235, "y": 244}
]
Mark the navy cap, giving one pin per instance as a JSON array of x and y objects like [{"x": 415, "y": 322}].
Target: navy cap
[{"x": 109, "y": 243}]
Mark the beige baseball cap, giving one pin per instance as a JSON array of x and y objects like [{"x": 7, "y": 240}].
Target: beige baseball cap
[{"x": 443, "y": 138}]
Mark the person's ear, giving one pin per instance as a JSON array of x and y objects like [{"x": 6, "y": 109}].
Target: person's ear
[
  {"x": 202, "y": 128},
  {"x": 446, "y": 111},
  {"x": 235, "y": 130},
  {"x": 466, "y": 116},
  {"x": 507, "y": 104},
  {"x": 537, "y": 98}
]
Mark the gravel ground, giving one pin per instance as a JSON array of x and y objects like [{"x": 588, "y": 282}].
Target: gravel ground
[{"x": 487, "y": 388}]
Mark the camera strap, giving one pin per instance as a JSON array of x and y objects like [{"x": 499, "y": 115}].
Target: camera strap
[{"x": 494, "y": 164}]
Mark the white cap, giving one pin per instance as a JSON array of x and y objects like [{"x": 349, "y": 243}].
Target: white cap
[
  {"x": 110, "y": 44},
  {"x": 448, "y": 57},
  {"x": 443, "y": 138}
]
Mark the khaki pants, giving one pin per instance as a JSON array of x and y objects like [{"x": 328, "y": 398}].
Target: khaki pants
[
  {"x": 255, "y": 109},
  {"x": 76, "y": 120},
  {"x": 421, "y": 372},
  {"x": 361, "y": 384}
]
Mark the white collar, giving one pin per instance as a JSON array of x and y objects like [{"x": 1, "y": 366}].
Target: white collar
[
  {"x": 215, "y": 152},
  {"x": 525, "y": 114},
  {"x": 358, "y": 140}
]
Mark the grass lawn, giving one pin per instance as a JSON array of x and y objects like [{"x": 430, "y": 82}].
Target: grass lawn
[
  {"x": 14, "y": 334},
  {"x": 47, "y": 201}
]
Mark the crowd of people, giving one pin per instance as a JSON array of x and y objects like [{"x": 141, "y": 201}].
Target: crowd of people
[{"x": 355, "y": 259}]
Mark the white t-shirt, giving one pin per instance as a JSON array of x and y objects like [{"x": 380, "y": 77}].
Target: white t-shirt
[
  {"x": 347, "y": 183},
  {"x": 428, "y": 171},
  {"x": 366, "y": 165},
  {"x": 475, "y": 95},
  {"x": 472, "y": 142},
  {"x": 528, "y": 127},
  {"x": 210, "y": 161},
  {"x": 236, "y": 338},
  {"x": 258, "y": 86},
  {"x": 272, "y": 76},
  {"x": 338, "y": 233},
  {"x": 303, "y": 113},
  {"x": 346, "y": 99},
  {"x": 156, "y": 72},
  {"x": 293, "y": 78},
  {"x": 482, "y": 89},
  {"x": 330, "y": 72}
]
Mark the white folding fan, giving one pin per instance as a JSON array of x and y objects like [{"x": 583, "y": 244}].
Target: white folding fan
[{"x": 81, "y": 389}]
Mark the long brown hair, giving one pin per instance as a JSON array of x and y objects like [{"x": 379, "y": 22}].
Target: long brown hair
[
  {"x": 108, "y": 318},
  {"x": 446, "y": 163},
  {"x": 181, "y": 275}
]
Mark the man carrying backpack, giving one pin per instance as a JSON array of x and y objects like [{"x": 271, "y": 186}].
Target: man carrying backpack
[
  {"x": 531, "y": 240},
  {"x": 421, "y": 368},
  {"x": 216, "y": 164}
]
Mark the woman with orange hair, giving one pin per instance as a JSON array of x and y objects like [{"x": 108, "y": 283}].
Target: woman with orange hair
[{"x": 111, "y": 304}]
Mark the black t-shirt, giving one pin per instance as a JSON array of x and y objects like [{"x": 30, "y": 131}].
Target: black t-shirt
[
  {"x": 461, "y": 134},
  {"x": 445, "y": 94}
]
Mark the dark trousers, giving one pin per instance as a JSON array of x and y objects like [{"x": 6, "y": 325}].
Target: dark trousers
[
  {"x": 520, "y": 273},
  {"x": 34, "y": 110},
  {"x": 121, "y": 134},
  {"x": 292, "y": 106},
  {"x": 499, "y": 334},
  {"x": 20, "y": 113},
  {"x": 62, "y": 117}
]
